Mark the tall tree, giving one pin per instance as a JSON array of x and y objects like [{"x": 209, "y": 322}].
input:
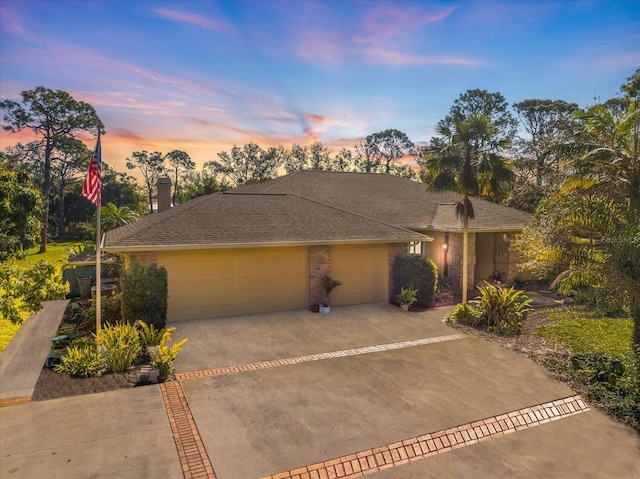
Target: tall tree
[
  {"x": 53, "y": 115},
  {"x": 114, "y": 216},
  {"x": 366, "y": 159},
  {"x": 466, "y": 158},
  {"x": 248, "y": 163},
  {"x": 151, "y": 167},
  {"x": 546, "y": 124},
  {"x": 20, "y": 207},
  {"x": 605, "y": 153},
  {"x": 181, "y": 163},
  {"x": 388, "y": 147},
  {"x": 69, "y": 161}
]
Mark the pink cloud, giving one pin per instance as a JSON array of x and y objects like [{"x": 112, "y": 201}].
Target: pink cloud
[{"x": 193, "y": 19}]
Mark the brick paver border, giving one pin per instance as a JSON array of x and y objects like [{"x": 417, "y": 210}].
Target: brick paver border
[
  {"x": 421, "y": 447},
  {"x": 191, "y": 452},
  {"x": 13, "y": 401},
  {"x": 317, "y": 357}
]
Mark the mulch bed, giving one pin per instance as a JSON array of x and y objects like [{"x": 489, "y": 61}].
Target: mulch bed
[{"x": 52, "y": 385}]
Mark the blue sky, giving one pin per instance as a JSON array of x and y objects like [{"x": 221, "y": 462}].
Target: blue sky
[{"x": 204, "y": 75}]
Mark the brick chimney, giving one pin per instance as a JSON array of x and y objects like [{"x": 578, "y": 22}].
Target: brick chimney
[{"x": 164, "y": 194}]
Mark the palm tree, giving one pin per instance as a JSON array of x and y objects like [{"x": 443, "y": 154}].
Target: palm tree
[
  {"x": 466, "y": 159},
  {"x": 114, "y": 216},
  {"x": 606, "y": 152}
]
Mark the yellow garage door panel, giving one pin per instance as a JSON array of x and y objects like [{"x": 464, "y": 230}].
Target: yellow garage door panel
[
  {"x": 363, "y": 270},
  {"x": 207, "y": 284}
]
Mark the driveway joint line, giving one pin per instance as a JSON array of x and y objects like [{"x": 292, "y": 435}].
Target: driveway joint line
[
  {"x": 421, "y": 447},
  {"x": 193, "y": 456},
  {"x": 319, "y": 356}
]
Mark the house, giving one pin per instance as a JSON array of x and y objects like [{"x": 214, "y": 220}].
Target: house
[{"x": 266, "y": 246}]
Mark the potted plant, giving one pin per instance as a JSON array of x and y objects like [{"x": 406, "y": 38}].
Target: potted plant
[
  {"x": 407, "y": 297},
  {"x": 328, "y": 285}
]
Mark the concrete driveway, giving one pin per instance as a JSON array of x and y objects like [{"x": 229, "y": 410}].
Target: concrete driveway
[
  {"x": 319, "y": 407},
  {"x": 366, "y": 390}
]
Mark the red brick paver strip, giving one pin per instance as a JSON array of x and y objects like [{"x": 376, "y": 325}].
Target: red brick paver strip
[
  {"x": 191, "y": 452},
  {"x": 14, "y": 401},
  {"x": 438, "y": 442},
  {"x": 317, "y": 357}
]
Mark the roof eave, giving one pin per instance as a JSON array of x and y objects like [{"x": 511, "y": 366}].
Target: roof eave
[{"x": 273, "y": 244}]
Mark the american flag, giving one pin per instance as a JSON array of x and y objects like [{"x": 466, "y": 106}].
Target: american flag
[{"x": 92, "y": 187}]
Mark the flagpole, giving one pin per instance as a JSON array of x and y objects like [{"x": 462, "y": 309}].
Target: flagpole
[
  {"x": 92, "y": 190},
  {"x": 98, "y": 269},
  {"x": 98, "y": 245}
]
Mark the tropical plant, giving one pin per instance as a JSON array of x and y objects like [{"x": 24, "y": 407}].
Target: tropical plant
[
  {"x": 407, "y": 296},
  {"x": 114, "y": 216},
  {"x": 466, "y": 313},
  {"x": 81, "y": 361},
  {"x": 467, "y": 158},
  {"x": 120, "y": 344},
  {"x": 504, "y": 309},
  {"x": 164, "y": 357},
  {"x": 151, "y": 336},
  {"x": 328, "y": 285}
]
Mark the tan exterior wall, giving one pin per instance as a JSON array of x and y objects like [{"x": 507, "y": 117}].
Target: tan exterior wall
[
  {"x": 364, "y": 272},
  {"x": 434, "y": 250},
  {"x": 227, "y": 282},
  {"x": 485, "y": 255}
]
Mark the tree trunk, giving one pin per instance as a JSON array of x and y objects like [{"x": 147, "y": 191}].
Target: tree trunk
[
  {"x": 465, "y": 257},
  {"x": 61, "y": 209},
  {"x": 46, "y": 188}
]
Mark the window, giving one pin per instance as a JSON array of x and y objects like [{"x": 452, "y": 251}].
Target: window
[{"x": 417, "y": 247}]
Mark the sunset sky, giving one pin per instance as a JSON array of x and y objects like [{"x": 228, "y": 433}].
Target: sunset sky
[{"x": 202, "y": 76}]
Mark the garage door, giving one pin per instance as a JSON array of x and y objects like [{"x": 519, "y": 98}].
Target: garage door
[
  {"x": 230, "y": 282},
  {"x": 363, "y": 270}
]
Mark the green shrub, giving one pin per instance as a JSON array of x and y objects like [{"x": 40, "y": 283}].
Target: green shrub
[
  {"x": 417, "y": 272},
  {"x": 164, "y": 357},
  {"x": 150, "y": 336},
  {"x": 466, "y": 313},
  {"x": 81, "y": 362},
  {"x": 120, "y": 345},
  {"x": 144, "y": 295},
  {"x": 593, "y": 367},
  {"x": 505, "y": 309},
  {"x": 407, "y": 296}
]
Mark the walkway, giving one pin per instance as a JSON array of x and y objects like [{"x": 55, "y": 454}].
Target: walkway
[{"x": 24, "y": 358}]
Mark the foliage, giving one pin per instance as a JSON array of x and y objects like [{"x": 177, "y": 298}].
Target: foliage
[
  {"x": 248, "y": 163},
  {"x": 181, "y": 163},
  {"x": 151, "y": 167},
  {"x": 7, "y": 332},
  {"x": 113, "y": 216},
  {"x": 81, "y": 362},
  {"x": 388, "y": 147},
  {"x": 164, "y": 357},
  {"x": 417, "y": 272},
  {"x": 55, "y": 116},
  {"x": 466, "y": 313},
  {"x": 120, "y": 345},
  {"x": 20, "y": 208},
  {"x": 328, "y": 285},
  {"x": 110, "y": 312},
  {"x": 198, "y": 183},
  {"x": 407, "y": 296},
  {"x": 26, "y": 286},
  {"x": 504, "y": 309},
  {"x": 602, "y": 364},
  {"x": 144, "y": 295},
  {"x": 151, "y": 336}
]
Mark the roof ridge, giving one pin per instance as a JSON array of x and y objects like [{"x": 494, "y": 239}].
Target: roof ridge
[{"x": 355, "y": 214}]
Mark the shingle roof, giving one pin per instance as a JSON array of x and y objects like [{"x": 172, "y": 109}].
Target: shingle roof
[
  {"x": 226, "y": 220},
  {"x": 312, "y": 207},
  {"x": 391, "y": 199}
]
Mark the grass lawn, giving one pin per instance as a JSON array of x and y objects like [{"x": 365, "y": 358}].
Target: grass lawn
[
  {"x": 58, "y": 254},
  {"x": 582, "y": 331}
]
